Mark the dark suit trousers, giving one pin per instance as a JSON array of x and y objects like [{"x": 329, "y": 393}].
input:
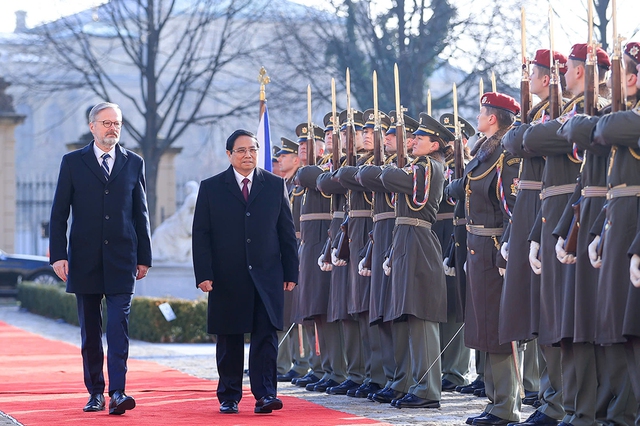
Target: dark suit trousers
[
  {"x": 263, "y": 354},
  {"x": 90, "y": 318}
]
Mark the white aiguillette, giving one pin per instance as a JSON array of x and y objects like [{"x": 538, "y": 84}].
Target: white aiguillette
[{"x": 167, "y": 311}]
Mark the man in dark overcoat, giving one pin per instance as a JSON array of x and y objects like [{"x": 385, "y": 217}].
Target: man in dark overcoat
[
  {"x": 109, "y": 248},
  {"x": 245, "y": 256}
]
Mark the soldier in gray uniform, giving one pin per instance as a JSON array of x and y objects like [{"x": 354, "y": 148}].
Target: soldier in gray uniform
[
  {"x": 489, "y": 186},
  {"x": 418, "y": 288}
]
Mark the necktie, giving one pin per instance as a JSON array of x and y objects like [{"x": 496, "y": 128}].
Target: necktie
[
  {"x": 105, "y": 166},
  {"x": 245, "y": 189}
]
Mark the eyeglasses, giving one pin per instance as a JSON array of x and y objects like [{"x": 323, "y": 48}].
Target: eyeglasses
[
  {"x": 109, "y": 123},
  {"x": 243, "y": 151}
]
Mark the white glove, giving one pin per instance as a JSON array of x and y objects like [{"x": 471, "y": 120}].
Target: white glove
[
  {"x": 634, "y": 270},
  {"x": 464, "y": 268},
  {"x": 448, "y": 270},
  {"x": 334, "y": 258},
  {"x": 326, "y": 267},
  {"x": 562, "y": 255},
  {"x": 362, "y": 270},
  {"x": 535, "y": 263},
  {"x": 504, "y": 251},
  {"x": 501, "y": 271},
  {"x": 386, "y": 267},
  {"x": 596, "y": 261}
]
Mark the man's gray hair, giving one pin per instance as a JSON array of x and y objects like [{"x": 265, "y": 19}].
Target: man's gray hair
[{"x": 99, "y": 107}]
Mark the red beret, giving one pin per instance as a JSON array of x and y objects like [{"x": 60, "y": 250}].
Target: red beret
[
  {"x": 633, "y": 49},
  {"x": 579, "y": 53},
  {"x": 498, "y": 100},
  {"x": 542, "y": 59}
]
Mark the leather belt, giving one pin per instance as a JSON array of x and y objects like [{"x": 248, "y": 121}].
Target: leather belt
[
  {"x": 623, "y": 191},
  {"x": 359, "y": 213},
  {"x": 338, "y": 215},
  {"x": 413, "y": 221},
  {"x": 594, "y": 191},
  {"x": 530, "y": 184},
  {"x": 444, "y": 216},
  {"x": 315, "y": 216},
  {"x": 459, "y": 221},
  {"x": 481, "y": 231},
  {"x": 382, "y": 216},
  {"x": 552, "y": 191}
]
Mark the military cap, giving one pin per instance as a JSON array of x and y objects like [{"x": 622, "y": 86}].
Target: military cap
[
  {"x": 410, "y": 124},
  {"x": 429, "y": 126},
  {"x": 357, "y": 119},
  {"x": 543, "y": 59},
  {"x": 579, "y": 53},
  {"x": 302, "y": 129},
  {"x": 288, "y": 147},
  {"x": 328, "y": 121},
  {"x": 447, "y": 120},
  {"x": 633, "y": 50},
  {"x": 369, "y": 119},
  {"x": 274, "y": 152},
  {"x": 500, "y": 101}
]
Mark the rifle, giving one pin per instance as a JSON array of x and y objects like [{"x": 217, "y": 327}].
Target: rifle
[
  {"x": 378, "y": 138},
  {"x": 555, "y": 92},
  {"x": 343, "y": 242},
  {"x": 591, "y": 69},
  {"x": 401, "y": 141},
  {"x": 458, "y": 148},
  {"x": 351, "y": 130},
  {"x": 326, "y": 249},
  {"x": 571, "y": 243},
  {"x": 525, "y": 91},
  {"x": 335, "y": 134},
  {"x": 311, "y": 148},
  {"x": 618, "y": 95},
  {"x": 368, "y": 254}
]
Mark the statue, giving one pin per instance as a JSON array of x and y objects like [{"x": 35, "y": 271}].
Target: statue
[{"x": 171, "y": 241}]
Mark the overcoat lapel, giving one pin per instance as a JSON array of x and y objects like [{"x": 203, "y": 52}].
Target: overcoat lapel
[
  {"x": 121, "y": 159},
  {"x": 257, "y": 185},
  {"x": 232, "y": 184},
  {"x": 90, "y": 160}
]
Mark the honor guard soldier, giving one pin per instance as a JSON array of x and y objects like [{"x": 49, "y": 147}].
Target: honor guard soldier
[
  {"x": 489, "y": 186},
  {"x": 418, "y": 290}
]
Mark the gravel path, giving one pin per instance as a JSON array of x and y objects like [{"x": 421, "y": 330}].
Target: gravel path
[{"x": 199, "y": 360}]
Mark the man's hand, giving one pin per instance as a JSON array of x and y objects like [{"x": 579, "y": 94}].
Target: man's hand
[
  {"x": 206, "y": 286},
  {"x": 504, "y": 251},
  {"x": 326, "y": 267},
  {"x": 562, "y": 255},
  {"x": 141, "y": 271},
  {"x": 365, "y": 272},
  {"x": 335, "y": 260},
  {"x": 289, "y": 285},
  {"x": 596, "y": 261},
  {"x": 634, "y": 270},
  {"x": 61, "y": 268},
  {"x": 448, "y": 270},
  {"x": 535, "y": 263},
  {"x": 385, "y": 266}
]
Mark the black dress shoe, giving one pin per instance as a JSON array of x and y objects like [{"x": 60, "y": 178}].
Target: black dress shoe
[
  {"x": 323, "y": 385},
  {"x": 95, "y": 403},
  {"x": 490, "y": 420},
  {"x": 470, "y": 420},
  {"x": 448, "y": 386},
  {"x": 343, "y": 387},
  {"x": 308, "y": 379},
  {"x": 537, "y": 419},
  {"x": 288, "y": 376},
  {"x": 530, "y": 397},
  {"x": 364, "y": 390},
  {"x": 229, "y": 407},
  {"x": 480, "y": 392},
  {"x": 412, "y": 401},
  {"x": 476, "y": 384},
  {"x": 386, "y": 395},
  {"x": 267, "y": 404},
  {"x": 120, "y": 403}
]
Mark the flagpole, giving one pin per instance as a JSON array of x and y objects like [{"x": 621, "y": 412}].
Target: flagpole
[
  {"x": 263, "y": 134},
  {"x": 263, "y": 79}
]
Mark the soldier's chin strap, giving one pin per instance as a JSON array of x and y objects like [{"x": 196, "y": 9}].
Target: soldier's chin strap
[
  {"x": 440, "y": 354},
  {"x": 286, "y": 334}
]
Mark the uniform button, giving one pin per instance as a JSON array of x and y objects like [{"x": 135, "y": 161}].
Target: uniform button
[
  {"x": 250, "y": 267},
  {"x": 106, "y": 191},
  {"x": 248, "y": 240},
  {"x": 544, "y": 220},
  {"x": 107, "y": 217},
  {"x": 472, "y": 251},
  {"x": 106, "y": 241},
  {"x": 248, "y": 214}
]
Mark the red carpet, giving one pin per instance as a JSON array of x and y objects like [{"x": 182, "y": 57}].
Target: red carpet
[{"x": 41, "y": 384}]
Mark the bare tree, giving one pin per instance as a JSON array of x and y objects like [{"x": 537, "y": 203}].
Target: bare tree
[{"x": 174, "y": 63}]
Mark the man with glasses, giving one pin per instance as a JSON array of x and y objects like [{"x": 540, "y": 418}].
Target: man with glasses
[
  {"x": 245, "y": 256},
  {"x": 108, "y": 249}
]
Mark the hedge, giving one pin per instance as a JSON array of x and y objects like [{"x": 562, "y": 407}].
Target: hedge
[{"x": 146, "y": 322}]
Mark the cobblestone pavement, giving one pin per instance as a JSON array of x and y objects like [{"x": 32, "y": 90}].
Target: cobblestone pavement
[{"x": 199, "y": 360}]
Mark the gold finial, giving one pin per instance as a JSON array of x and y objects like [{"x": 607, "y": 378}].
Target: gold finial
[{"x": 263, "y": 79}]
